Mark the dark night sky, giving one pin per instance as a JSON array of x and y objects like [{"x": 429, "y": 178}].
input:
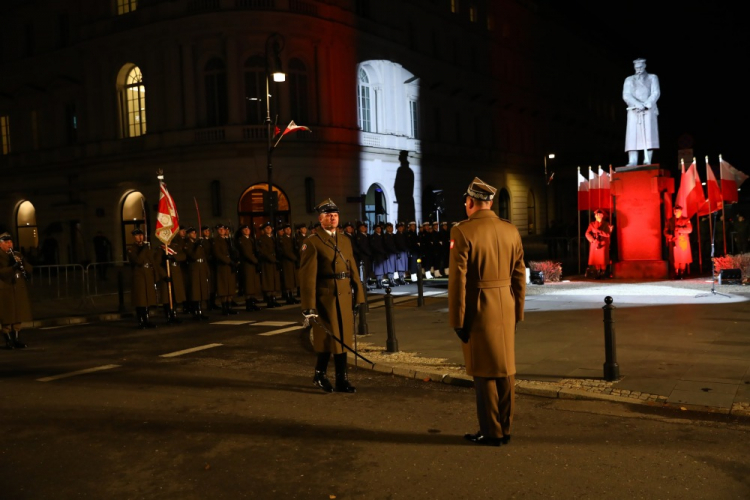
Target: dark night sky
[{"x": 697, "y": 49}]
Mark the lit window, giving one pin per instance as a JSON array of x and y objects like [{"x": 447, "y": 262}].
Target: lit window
[
  {"x": 473, "y": 13},
  {"x": 5, "y": 134},
  {"x": 363, "y": 102},
  {"x": 454, "y": 6},
  {"x": 125, "y": 6},
  {"x": 135, "y": 99},
  {"x": 414, "y": 111}
]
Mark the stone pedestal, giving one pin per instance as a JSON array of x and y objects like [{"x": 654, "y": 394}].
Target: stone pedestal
[{"x": 638, "y": 194}]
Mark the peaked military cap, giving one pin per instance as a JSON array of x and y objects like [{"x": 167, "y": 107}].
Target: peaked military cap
[
  {"x": 348, "y": 224},
  {"x": 480, "y": 190},
  {"x": 361, "y": 223},
  {"x": 203, "y": 228},
  {"x": 414, "y": 223},
  {"x": 136, "y": 231},
  {"x": 220, "y": 226},
  {"x": 389, "y": 224},
  {"x": 300, "y": 225},
  {"x": 400, "y": 224},
  {"x": 600, "y": 211},
  {"x": 327, "y": 207},
  {"x": 243, "y": 226},
  {"x": 190, "y": 230},
  {"x": 677, "y": 207},
  {"x": 5, "y": 237}
]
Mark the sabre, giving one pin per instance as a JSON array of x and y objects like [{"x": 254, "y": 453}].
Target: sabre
[
  {"x": 330, "y": 334},
  {"x": 199, "y": 217}
]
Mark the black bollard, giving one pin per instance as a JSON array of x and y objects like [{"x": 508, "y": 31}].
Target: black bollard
[
  {"x": 391, "y": 344},
  {"x": 362, "y": 328},
  {"x": 611, "y": 368},
  {"x": 120, "y": 292},
  {"x": 420, "y": 284}
]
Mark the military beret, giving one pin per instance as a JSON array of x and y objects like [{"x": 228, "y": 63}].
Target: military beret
[
  {"x": 327, "y": 207},
  {"x": 480, "y": 190}
]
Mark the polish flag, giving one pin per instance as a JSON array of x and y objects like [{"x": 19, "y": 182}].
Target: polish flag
[
  {"x": 595, "y": 192},
  {"x": 714, "y": 202},
  {"x": 292, "y": 127},
  {"x": 690, "y": 196},
  {"x": 605, "y": 201},
  {"x": 731, "y": 180},
  {"x": 583, "y": 192}
]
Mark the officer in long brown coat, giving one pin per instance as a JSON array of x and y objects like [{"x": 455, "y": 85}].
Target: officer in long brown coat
[
  {"x": 288, "y": 258},
  {"x": 249, "y": 268},
  {"x": 269, "y": 280},
  {"x": 15, "y": 306},
  {"x": 328, "y": 273},
  {"x": 198, "y": 273},
  {"x": 486, "y": 289},
  {"x": 173, "y": 260},
  {"x": 226, "y": 266},
  {"x": 145, "y": 276}
]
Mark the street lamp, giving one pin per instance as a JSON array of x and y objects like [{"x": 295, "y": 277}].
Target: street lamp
[
  {"x": 274, "y": 46},
  {"x": 551, "y": 156}
]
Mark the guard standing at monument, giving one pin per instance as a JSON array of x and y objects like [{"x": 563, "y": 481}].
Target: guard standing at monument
[
  {"x": 598, "y": 235},
  {"x": 198, "y": 272},
  {"x": 143, "y": 291},
  {"x": 486, "y": 291},
  {"x": 640, "y": 92},
  {"x": 331, "y": 289},
  {"x": 15, "y": 307},
  {"x": 677, "y": 232},
  {"x": 269, "y": 280},
  {"x": 249, "y": 267}
]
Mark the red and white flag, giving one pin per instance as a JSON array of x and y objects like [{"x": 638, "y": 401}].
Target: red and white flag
[
  {"x": 167, "y": 221},
  {"x": 605, "y": 199},
  {"x": 595, "y": 192},
  {"x": 714, "y": 202},
  {"x": 583, "y": 192},
  {"x": 731, "y": 180},
  {"x": 690, "y": 195},
  {"x": 292, "y": 127}
]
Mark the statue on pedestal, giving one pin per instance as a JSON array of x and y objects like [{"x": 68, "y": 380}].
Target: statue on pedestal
[{"x": 640, "y": 92}]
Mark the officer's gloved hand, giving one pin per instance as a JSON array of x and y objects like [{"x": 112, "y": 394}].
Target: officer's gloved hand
[
  {"x": 309, "y": 314},
  {"x": 462, "y": 334}
]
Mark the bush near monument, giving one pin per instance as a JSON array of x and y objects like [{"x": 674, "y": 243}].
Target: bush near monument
[
  {"x": 552, "y": 270},
  {"x": 741, "y": 262}
]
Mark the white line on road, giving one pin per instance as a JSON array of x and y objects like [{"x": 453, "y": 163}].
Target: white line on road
[
  {"x": 282, "y": 330},
  {"x": 231, "y": 322},
  {"x": 275, "y": 323},
  {"x": 187, "y": 351},
  {"x": 79, "y": 372}
]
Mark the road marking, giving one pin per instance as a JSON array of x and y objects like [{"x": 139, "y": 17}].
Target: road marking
[
  {"x": 232, "y": 322},
  {"x": 187, "y": 351},
  {"x": 275, "y": 323},
  {"x": 282, "y": 330},
  {"x": 62, "y": 326},
  {"x": 79, "y": 372}
]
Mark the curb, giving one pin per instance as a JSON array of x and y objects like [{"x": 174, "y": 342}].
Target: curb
[
  {"x": 547, "y": 390},
  {"x": 75, "y": 320}
]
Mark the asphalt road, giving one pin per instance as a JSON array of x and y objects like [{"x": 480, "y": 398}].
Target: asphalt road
[{"x": 242, "y": 420}]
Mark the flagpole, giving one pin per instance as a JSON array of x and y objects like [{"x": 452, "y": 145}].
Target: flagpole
[
  {"x": 723, "y": 211},
  {"x": 611, "y": 221},
  {"x": 160, "y": 177},
  {"x": 578, "y": 213}
]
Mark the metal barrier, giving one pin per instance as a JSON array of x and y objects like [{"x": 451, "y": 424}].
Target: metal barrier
[
  {"x": 62, "y": 280},
  {"x": 96, "y": 278}
]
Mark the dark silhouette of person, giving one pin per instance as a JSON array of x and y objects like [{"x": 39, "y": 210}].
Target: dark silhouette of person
[
  {"x": 404, "y": 188},
  {"x": 103, "y": 253}
]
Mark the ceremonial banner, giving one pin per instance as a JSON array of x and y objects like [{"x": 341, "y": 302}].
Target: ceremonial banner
[{"x": 167, "y": 221}]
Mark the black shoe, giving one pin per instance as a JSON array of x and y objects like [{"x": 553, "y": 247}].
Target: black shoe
[
  {"x": 8, "y": 342},
  {"x": 271, "y": 303},
  {"x": 480, "y": 438},
  {"x": 321, "y": 380},
  {"x": 343, "y": 385},
  {"x": 401, "y": 281},
  {"x": 251, "y": 305}
]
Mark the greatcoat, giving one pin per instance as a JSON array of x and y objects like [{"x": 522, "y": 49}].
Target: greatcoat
[
  {"x": 14, "y": 294},
  {"x": 598, "y": 235},
  {"x": 269, "y": 280},
  {"x": 322, "y": 256},
  {"x": 175, "y": 272},
  {"x": 198, "y": 267},
  {"x": 638, "y": 92},
  {"x": 677, "y": 233},
  {"x": 288, "y": 259},
  {"x": 143, "y": 289},
  {"x": 249, "y": 267},
  {"x": 226, "y": 279},
  {"x": 486, "y": 292}
]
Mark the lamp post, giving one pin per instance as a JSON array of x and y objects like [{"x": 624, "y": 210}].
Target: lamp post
[
  {"x": 550, "y": 156},
  {"x": 274, "y": 46}
]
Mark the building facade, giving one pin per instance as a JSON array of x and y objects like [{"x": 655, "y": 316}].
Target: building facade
[{"x": 406, "y": 101}]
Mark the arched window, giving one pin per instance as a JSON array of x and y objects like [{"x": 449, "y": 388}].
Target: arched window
[
  {"x": 255, "y": 90},
  {"x": 134, "y": 216},
  {"x": 215, "y": 77},
  {"x": 503, "y": 204},
  {"x": 364, "y": 117},
  {"x": 531, "y": 211},
  {"x": 28, "y": 237},
  {"x": 252, "y": 210},
  {"x": 376, "y": 206},
  {"x": 134, "y": 103},
  {"x": 297, "y": 79}
]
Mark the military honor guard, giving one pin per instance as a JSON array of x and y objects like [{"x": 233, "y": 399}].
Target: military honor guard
[
  {"x": 289, "y": 265},
  {"x": 414, "y": 251},
  {"x": 249, "y": 269},
  {"x": 402, "y": 253},
  {"x": 331, "y": 289},
  {"x": 269, "y": 279},
  {"x": 379, "y": 256},
  {"x": 175, "y": 281},
  {"x": 677, "y": 232},
  {"x": 198, "y": 272},
  {"x": 389, "y": 242},
  {"x": 486, "y": 291},
  {"x": 226, "y": 264},
  {"x": 145, "y": 277},
  {"x": 15, "y": 307},
  {"x": 598, "y": 235},
  {"x": 363, "y": 254}
]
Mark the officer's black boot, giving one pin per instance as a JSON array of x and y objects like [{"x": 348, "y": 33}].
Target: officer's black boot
[
  {"x": 272, "y": 302},
  {"x": 146, "y": 322},
  {"x": 171, "y": 315},
  {"x": 228, "y": 311},
  {"x": 321, "y": 379},
  {"x": 251, "y": 305},
  {"x": 342, "y": 378},
  {"x": 198, "y": 312},
  {"x": 8, "y": 341},
  {"x": 16, "y": 341},
  {"x": 140, "y": 314}
]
